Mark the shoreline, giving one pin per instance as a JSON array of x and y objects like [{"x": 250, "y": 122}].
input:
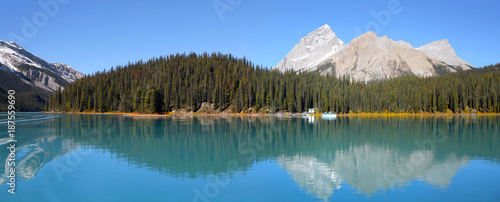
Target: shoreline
[{"x": 172, "y": 114}]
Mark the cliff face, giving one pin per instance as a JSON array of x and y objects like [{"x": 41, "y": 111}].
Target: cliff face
[{"x": 42, "y": 80}]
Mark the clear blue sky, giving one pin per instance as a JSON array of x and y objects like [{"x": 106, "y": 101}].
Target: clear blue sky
[{"x": 93, "y": 35}]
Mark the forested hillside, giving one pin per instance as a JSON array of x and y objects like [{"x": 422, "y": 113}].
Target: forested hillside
[
  {"x": 28, "y": 97},
  {"x": 185, "y": 81}
]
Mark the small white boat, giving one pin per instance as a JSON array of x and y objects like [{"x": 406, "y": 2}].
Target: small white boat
[{"x": 328, "y": 116}]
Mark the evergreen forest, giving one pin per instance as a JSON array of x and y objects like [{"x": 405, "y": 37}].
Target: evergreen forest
[
  {"x": 182, "y": 82},
  {"x": 29, "y": 98}
]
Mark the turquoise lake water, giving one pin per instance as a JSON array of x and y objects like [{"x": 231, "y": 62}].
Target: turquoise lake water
[{"x": 64, "y": 157}]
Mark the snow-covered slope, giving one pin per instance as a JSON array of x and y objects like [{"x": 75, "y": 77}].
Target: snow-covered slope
[
  {"x": 311, "y": 50},
  {"x": 48, "y": 76}
]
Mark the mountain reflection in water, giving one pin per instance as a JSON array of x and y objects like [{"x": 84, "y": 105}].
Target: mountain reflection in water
[{"x": 370, "y": 154}]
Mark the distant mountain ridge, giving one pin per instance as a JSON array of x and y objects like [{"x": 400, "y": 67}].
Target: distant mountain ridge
[
  {"x": 33, "y": 78},
  {"x": 370, "y": 57},
  {"x": 45, "y": 75}
]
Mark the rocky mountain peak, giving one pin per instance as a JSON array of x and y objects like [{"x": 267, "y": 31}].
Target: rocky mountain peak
[
  {"x": 370, "y": 57},
  {"x": 48, "y": 76},
  {"x": 325, "y": 28},
  {"x": 368, "y": 35},
  {"x": 311, "y": 50},
  {"x": 9, "y": 44},
  {"x": 443, "y": 51}
]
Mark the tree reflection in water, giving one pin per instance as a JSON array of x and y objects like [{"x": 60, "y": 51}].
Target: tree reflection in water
[{"x": 370, "y": 154}]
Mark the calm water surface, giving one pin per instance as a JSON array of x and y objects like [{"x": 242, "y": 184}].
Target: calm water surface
[{"x": 116, "y": 158}]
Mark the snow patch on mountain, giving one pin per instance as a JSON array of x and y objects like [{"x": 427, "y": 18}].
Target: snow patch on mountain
[
  {"x": 10, "y": 56},
  {"x": 48, "y": 76}
]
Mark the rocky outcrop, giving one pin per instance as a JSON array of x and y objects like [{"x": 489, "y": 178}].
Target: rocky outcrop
[{"x": 206, "y": 107}]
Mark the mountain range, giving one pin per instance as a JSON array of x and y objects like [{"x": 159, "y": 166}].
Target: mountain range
[
  {"x": 33, "y": 78},
  {"x": 370, "y": 57},
  {"x": 366, "y": 58}
]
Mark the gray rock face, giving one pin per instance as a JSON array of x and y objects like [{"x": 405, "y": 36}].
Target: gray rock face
[
  {"x": 67, "y": 73},
  {"x": 42, "y": 80},
  {"x": 48, "y": 76},
  {"x": 369, "y": 57},
  {"x": 311, "y": 50},
  {"x": 443, "y": 51}
]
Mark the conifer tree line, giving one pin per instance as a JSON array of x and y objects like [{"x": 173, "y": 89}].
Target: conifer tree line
[
  {"x": 28, "y": 98},
  {"x": 185, "y": 81}
]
